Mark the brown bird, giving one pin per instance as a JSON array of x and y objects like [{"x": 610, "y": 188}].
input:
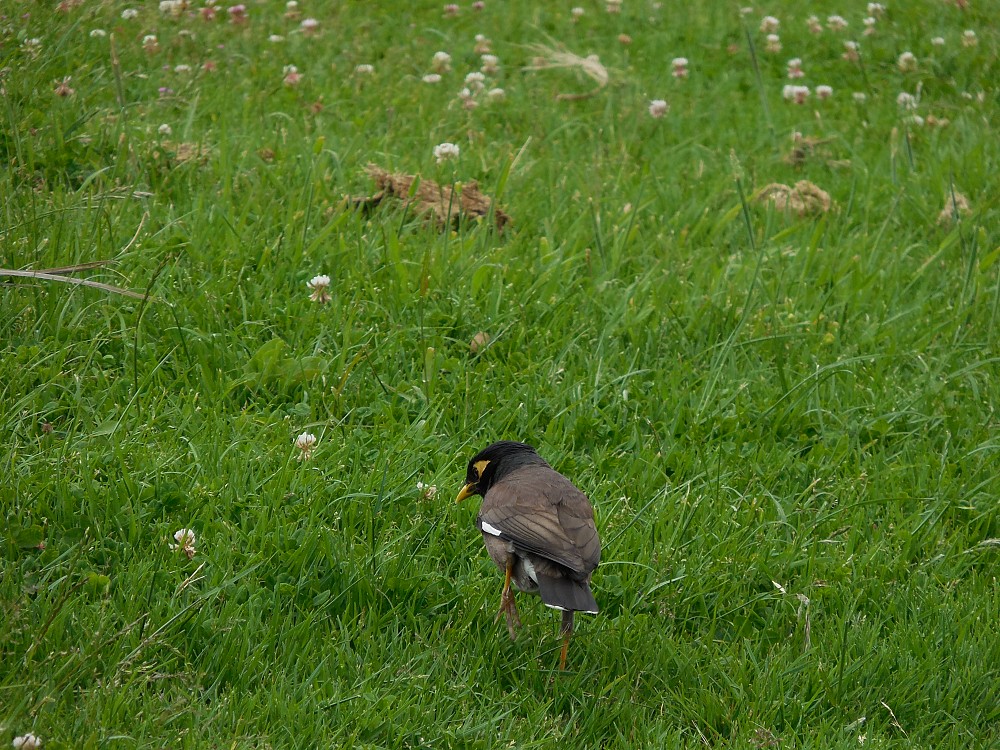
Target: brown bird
[{"x": 539, "y": 530}]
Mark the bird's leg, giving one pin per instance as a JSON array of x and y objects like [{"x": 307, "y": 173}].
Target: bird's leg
[
  {"x": 507, "y": 605},
  {"x": 566, "y": 631}
]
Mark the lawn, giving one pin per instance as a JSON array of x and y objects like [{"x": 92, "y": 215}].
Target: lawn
[{"x": 734, "y": 272}]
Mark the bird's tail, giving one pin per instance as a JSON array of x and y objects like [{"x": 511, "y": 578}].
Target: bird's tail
[{"x": 567, "y": 594}]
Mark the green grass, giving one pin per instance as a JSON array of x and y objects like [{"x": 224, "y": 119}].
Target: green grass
[{"x": 788, "y": 426}]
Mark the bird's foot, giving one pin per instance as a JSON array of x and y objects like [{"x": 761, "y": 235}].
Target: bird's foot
[{"x": 509, "y": 609}]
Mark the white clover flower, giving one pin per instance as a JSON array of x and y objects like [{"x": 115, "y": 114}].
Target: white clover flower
[
  {"x": 475, "y": 80},
  {"x": 658, "y": 108},
  {"x": 859, "y": 97},
  {"x": 937, "y": 41},
  {"x": 482, "y": 45},
  {"x": 795, "y": 68},
  {"x": 275, "y": 38},
  {"x": 172, "y": 8},
  {"x": 364, "y": 69},
  {"x": 432, "y": 78},
  {"x": 319, "y": 286},
  {"x": 769, "y": 25},
  {"x": 852, "y": 51},
  {"x": 165, "y": 129},
  {"x": 814, "y": 25},
  {"x": 496, "y": 95},
  {"x": 577, "y": 12},
  {"x": 441, "y": 62},
  {"x": 26, "y": 742},
  {"x": 836, "y": 23},
  {"x": 680, "y": 67},
  {"x": 182, "y": 68},
  {"x": 491, "y": 65},
  {"x": 613, "y": 6},
  {"x": 309, "y": 26},
  {"x": 969, "y": 38},
  {"x": 773, "y": 43},
  {"x": 906, "y": 100},
  {"x": 98, "y": 33},
  {"x": 306, "y": 443},
  {"x": 907, "y": 62},
  {"x": 427, "y": 491},
  {"x": 875, "y": 9},
  {"x": 185, "y": 539},
  {"x": 797, "y": 94},
  {"x": 445, "y": 152},
  {"x": 129, "y": 13},
  {"x": 824, "y": 92},
  {"x": 292, "y": 76}
]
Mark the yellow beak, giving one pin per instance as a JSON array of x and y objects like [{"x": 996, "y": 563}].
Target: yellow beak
[{"x": 467, "y": 491}]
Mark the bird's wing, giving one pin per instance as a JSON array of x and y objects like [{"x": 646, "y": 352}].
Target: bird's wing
[{"x": 540, "y": 511}]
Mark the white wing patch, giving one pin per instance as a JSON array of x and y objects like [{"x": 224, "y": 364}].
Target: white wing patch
[{"x": 491, "y": 529}]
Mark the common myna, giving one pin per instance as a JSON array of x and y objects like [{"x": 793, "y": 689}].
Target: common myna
[{"x": 539, "y": 530}]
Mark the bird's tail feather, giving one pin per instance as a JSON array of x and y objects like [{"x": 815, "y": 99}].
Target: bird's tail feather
[{"x": 567, "y": 594}]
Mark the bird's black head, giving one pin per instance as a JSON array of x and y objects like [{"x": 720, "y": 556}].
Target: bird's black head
[{"x": 494, "y": 462}]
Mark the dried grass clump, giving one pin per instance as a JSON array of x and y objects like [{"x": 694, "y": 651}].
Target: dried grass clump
[
  {"x": 440, "y": 202},
  {"x": 805, "y": 199},
  {"x": 550, "y": 58},
  {"x": 955, "y": 205}
]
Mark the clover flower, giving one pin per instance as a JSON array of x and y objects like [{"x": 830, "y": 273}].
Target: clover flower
[
  {"x": 26, "y": 742},
  {"x": 432, "y": 78},
  {"x": 292, "y": 76},
  {"x": 441, "y": 62},
  {"x": 306, "y": 443},
  {"x": 907, "y": 62},
  {"x": 969, "y": 38},
  {"x": 852, "y": 52},
  {"x": 680, "y": 67},
  {"x": 185, "y": 539},
  {"x": 814, "y": 25},
  {"x": 63, "y": 88},
  {"x": 319, "y": 286},
  {"x": 836, "y": 23},
  {"x": 773, "y": 43},
  {"x": 658, "y": 108},
  {"x": 795, "y": 68},
  {"x": 237, "y": 14},
  {"x": 491, "y": 65},
  {"x": 445, "y": 152},
  {"x": 769, "y": 25},
  {"x": 309, "y": 26},
  {"x": 824, "y": 92},
  {"x": 797, "y": 94}
]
